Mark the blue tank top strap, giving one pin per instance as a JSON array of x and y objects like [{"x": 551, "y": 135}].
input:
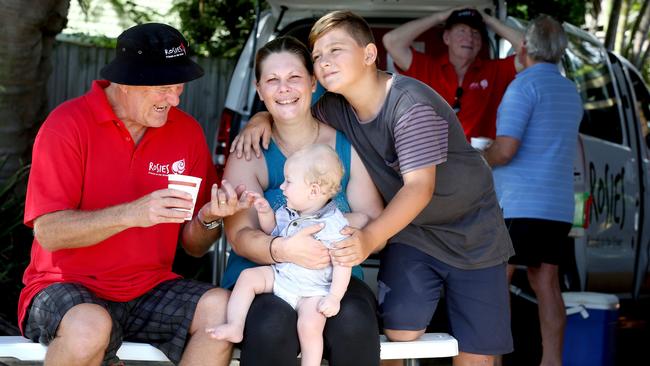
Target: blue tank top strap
[
  {"x": 275, "y": 160},
  {"x": 344, "y": 150}
]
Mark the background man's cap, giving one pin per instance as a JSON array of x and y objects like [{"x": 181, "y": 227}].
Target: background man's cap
[
  {"x": 470, "y": 17},
  {"x": 151, "y": 54}
]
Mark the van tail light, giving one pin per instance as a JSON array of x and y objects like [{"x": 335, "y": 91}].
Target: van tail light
[
  {"x": 222, "y": 143},
  {"x": 588, "y": 202},
  {"x": 581, "y": 215}
]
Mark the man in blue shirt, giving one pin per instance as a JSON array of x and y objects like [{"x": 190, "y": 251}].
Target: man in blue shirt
[{"x": 532, "y": 159}]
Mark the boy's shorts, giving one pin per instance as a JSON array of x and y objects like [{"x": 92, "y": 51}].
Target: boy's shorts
[
  {"x": 411, "y": 283},
  {"x": 537, "y": 241},
  {"x": 161, "y": 317}
]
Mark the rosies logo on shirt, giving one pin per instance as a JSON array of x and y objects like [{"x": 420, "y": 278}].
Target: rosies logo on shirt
[
  {"x": 476, "y": 85},
  {"x": 177, "y": 167}
]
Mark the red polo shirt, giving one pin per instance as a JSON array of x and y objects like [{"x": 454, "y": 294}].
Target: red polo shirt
[
  {"x": 483, "y": 86},
  {"x": 84, "y": 159}
]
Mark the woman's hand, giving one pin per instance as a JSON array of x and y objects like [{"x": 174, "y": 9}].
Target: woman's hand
[
  {"x": 258, "y": 128},
  {"x": 302, "y": 249}
]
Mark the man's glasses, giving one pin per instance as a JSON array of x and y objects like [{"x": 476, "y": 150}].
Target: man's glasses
[{"x": 459, "y": 93}]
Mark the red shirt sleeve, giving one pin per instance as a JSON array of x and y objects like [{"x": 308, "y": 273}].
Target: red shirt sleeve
[
  {"x": 507, "y": 70},
  {"x": 421, "y": 67},
  {"x": 56, "y": 176}
]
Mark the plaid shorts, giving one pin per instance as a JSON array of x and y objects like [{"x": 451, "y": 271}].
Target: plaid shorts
[{"x": 161, "y": 317}]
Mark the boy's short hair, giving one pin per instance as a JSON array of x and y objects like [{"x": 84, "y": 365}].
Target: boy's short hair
[
  {"x": 353, "y": 24},
  {"x": 323, "y": 167}
]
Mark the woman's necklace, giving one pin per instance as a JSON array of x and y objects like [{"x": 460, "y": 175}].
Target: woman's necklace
[{"x": 288, "y": 151}]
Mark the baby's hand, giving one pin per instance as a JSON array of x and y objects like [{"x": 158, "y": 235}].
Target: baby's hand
[
  {"x": 329, "y": 305},
  {"x": 261, "y": 204}
]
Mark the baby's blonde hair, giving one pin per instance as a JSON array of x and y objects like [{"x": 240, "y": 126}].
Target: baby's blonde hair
[{"x": 323, "y": 167}]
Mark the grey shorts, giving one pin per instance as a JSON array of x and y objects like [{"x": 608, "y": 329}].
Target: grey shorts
[{"x": 161, "y": 317}]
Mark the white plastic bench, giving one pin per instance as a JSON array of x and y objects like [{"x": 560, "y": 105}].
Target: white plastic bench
[{"x": 430, "y": 345}]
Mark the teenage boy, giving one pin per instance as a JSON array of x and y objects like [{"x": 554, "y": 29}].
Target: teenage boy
[{"x": 442, "y": 220}]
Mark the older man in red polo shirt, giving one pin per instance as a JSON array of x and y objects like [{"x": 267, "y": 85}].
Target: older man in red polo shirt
[
  {"x": 473, "y": 86},
  {"x": 105, "y": 224}
]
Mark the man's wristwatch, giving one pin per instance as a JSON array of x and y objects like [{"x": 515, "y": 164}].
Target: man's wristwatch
[{"x": 218, "y": 223}]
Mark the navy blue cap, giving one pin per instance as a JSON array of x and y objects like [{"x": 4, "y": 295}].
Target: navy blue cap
[
  {"x": 470, "y": 17},
  {"x": 151, "y": 54}
]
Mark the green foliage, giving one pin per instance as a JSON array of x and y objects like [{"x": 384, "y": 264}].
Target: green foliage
[
  {"x": 15, "y": 239},
  {"x": 216, "y": 28},
  {"x": 124, "y": 8},
  {"x": 563, "y": 10},
  {"x": 88, "y": 40},
  {"x": 133, "y": 11}
]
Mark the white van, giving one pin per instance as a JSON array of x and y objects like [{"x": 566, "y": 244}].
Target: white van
[
  {"x": 609, "y": 252},
  {"x": 611, "y": 170}
]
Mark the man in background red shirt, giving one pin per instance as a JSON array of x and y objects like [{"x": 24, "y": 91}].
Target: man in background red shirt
[{"x": 472, "y": 85}]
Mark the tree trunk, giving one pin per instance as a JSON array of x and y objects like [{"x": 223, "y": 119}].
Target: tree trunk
[
  {"x": 27, "y": 31},
  {"x": 612, "y": 24},
  {"x": 635, "y": 28},
  {"x": 622, "y": 27},
  {"x": 640, "y": 34},
  {"x": 643, "y": 55}
]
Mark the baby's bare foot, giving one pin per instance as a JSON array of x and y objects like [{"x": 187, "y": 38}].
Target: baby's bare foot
[{"x": 227, "y": 332}]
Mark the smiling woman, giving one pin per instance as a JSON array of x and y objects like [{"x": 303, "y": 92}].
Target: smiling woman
[
  {"x": 285, "y": 83},
  {"x": 286, "y": 89}
]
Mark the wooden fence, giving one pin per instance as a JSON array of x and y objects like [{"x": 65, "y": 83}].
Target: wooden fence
[{"x": 76, "y": 66}]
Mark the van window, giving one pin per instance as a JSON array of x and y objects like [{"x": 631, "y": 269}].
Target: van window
[
  {"x": 586, "y": 64},
  {"x": 641, "y": 104}
]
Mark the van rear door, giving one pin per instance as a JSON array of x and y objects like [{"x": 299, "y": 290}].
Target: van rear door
[
  {"x": 637, "y": 102},
  {"x": 611, "y": 173}
]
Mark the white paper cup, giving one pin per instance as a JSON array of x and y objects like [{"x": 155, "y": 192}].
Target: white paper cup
[
  {"x": 185, "y": 183},
  {"x": 480, "y": 143}
]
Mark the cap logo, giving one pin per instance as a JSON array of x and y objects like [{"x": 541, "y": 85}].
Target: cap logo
[{"x": 175, "y": 51}]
